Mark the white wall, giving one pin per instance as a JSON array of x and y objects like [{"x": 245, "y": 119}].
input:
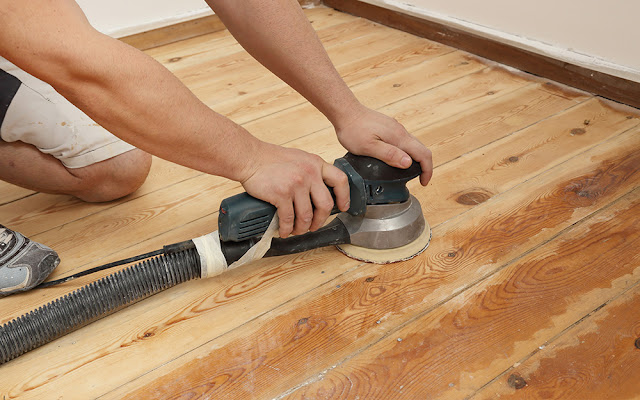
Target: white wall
[
  {"x": 598, "y": 34},
  {"x": 120, "y": 18}
]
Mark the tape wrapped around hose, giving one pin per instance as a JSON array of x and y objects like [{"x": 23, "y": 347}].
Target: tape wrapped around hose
[
  {"x": 96, "y": 300},
  {"x": 212, "y": 258}
]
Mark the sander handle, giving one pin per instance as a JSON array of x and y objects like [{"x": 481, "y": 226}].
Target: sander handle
[
  {"x": 332, "y": 234},
  {"x": 243, "y": 216}
]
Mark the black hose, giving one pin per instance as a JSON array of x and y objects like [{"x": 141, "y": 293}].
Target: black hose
[
  {"x": 96, "y": 300},
  {"x": 180, "y": 262}
]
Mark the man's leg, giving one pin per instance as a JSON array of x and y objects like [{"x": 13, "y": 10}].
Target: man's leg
[
  {"x": 24, "y": 264},
  {"x": 24, "y": 165},
  {"x": 48, "y": 145}
]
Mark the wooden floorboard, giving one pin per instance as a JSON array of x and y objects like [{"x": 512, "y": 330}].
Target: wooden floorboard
[
  {"x": 301, "y": 339},
  {"x": 489, "y": 328},
  {"x": 532, "y": 204},
  {"x": 594, "y": 358},
  {"x": 10, "y": 193}
]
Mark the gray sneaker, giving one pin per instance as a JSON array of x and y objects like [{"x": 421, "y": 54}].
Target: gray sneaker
[{"x": 24, "y": 264}]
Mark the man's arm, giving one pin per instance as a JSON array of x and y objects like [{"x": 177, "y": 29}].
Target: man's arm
[
  {"x": 140, "y": 101},
  {"x": 277, "y": 34}
]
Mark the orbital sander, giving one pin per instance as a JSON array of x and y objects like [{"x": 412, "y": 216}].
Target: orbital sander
[{"x": 384, "y": 224}]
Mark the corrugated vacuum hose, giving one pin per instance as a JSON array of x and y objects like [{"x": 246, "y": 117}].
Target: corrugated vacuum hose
[{"x": 96, "y": 300}]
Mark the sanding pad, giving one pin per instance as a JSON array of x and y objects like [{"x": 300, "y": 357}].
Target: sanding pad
[{"x": 388, "y": 256}]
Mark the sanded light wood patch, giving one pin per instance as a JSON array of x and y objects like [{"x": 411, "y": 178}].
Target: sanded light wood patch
[{"x": 533, "y": 207}]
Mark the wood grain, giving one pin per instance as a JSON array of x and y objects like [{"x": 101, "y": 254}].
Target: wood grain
[
  {"x": 491, "y": 120},
  {"x": 10, "y": 193},
  {"x": 487, "y": 329},
  {"x": 450, "y": 133},
  {"x": 595, "y": 358},
  {"x": 231, "y": 69},
  {"x": 314, "y": 332},
  {"x": 248, "y": 106},
  {"x": 470, "y": 83},
  {"x": 506, "y": 162}
]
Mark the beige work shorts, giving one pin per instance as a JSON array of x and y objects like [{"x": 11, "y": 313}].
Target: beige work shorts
[{"x": 38, "y": 115}]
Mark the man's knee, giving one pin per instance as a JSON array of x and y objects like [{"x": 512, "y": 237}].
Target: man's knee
[{"x": 113, "y": 178}]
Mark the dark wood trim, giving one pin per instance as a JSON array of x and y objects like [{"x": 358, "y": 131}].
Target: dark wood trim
[{"x": 605, "y": 85}]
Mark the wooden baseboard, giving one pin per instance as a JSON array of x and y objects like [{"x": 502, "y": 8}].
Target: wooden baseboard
[
  {"x": 185, "y": 30},
  {"x": 602, "y": 84},
  {"x": 175, "y": 33}
]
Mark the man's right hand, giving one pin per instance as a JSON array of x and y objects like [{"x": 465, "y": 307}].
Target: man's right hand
[{"x": 296, "y": 183}]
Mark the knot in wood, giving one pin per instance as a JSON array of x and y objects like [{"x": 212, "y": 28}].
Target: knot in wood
[
  {"x": 376, "y": 291},
  {"x": 513, "y": 159},
  {"x": 582, "y": 193},
  {"x": 578, "y": 131},
  {"x": 474, "y": 197},
  {"x": 302, "y": 321},
  {"x": 637, "y": 343},
  {"x": 151, "y": 332},
  {"x": 516, "y": 381},
  {"x": 175, "y": 59},
  {"x": 370, "y": 279}
]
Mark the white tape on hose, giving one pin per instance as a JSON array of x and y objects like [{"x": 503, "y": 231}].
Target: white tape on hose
[{"x": 212, "y": 259}]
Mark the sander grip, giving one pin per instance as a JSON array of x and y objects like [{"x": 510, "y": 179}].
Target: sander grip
[{"x": 243, "y": 216}]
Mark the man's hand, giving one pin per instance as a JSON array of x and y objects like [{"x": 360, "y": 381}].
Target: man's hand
[
  {"x": 294, "y": 181},
  {"x": 373, "y": 134}
]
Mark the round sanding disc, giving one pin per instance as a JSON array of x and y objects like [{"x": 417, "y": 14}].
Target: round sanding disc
[{"x": 388, "y": 256}]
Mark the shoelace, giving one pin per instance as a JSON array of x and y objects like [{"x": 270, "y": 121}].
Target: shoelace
[{"x": 5, "y": 238}]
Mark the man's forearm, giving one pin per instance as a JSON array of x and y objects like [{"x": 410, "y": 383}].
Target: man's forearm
[
  {"x": 124, "y": 90},
  {"x": 277, "y": 33},
  {"x": 144, "y": 104}
]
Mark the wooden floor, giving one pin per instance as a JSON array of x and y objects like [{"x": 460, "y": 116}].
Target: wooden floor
[{"x": 529, "y": 289}]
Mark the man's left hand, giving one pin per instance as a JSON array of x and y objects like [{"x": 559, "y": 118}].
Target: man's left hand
[{"x": 373, "y": 134}]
